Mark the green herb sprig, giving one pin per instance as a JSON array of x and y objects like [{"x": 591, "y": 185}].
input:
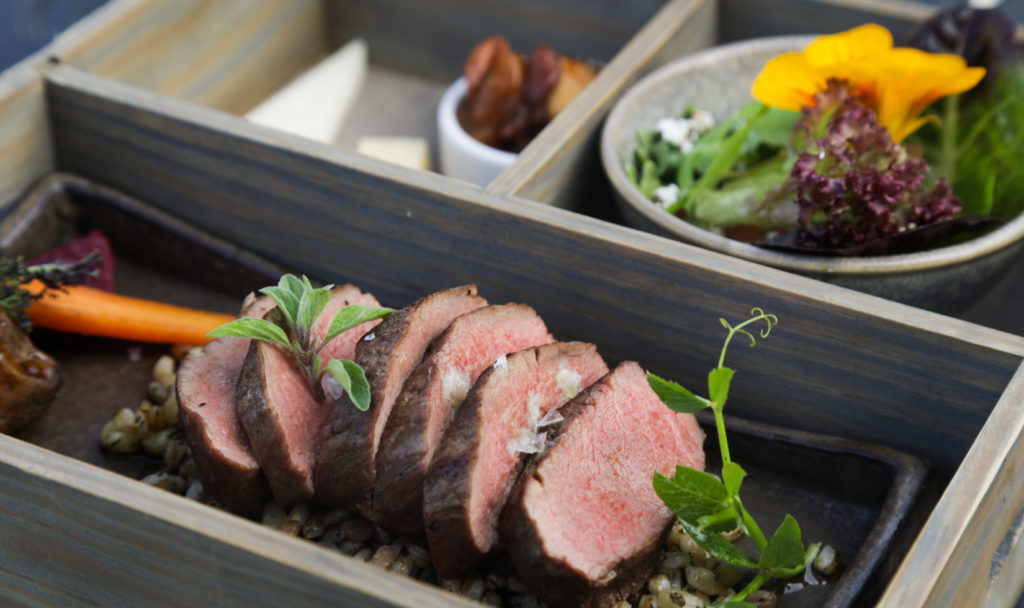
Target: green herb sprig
[
  {"x": 707, "y": 506},
  {"x": 290, "y": 327},
  {"x": 14, "y": 273}
]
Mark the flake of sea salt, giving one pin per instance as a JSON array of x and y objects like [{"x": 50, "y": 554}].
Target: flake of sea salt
[
  {"x": 528, "y": 442},
  {"x": 550, "y": 417},
  {"x": 455, "y": 385},
  {"x": 369, "y": 337},
  {"x": 501, "y": 361},
  {"x": 568, "y": 381}
]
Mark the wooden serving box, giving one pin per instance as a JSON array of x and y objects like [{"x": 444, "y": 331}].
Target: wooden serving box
[{"x": 142, "y": 96}]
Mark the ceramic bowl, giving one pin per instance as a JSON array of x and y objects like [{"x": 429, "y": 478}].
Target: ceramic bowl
[
  {"x": 460, "y": 155},
  {"x": 945, "y": 279}
]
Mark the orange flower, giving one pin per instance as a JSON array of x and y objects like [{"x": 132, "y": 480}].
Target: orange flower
[{"x": 898, "y": 83}]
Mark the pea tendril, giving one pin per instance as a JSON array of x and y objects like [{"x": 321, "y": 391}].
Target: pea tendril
[{"x": 707, "y": 506}]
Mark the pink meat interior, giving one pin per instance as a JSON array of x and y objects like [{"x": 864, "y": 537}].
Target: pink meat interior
[
  {"x": 473, "y": 342},
  {"x": 344, "y": 345},
  {"x": 505, "y": 414},
  {"x": 602, "y": 466},
  {"x": 216, "y": 371},
  {"x": 430, "y": 317},
  {"x": 301, "y": 416}
]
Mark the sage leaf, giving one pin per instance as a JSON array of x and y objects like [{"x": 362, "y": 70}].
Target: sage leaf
[
  {"x": 785, "y": 550},
  {"x": 675, "y": 396},
  {"x": 354, "y": 315},
  {"x": 252, "y": 328},
  {"x": 719, "y": 548},
  {"x": 352, "y": 378},
  {"x": 311, "y": 304},
  {"x": 691, "y": 494},
  {"x": 718, "y": 384},
  {"x": 287, "y": 302}
]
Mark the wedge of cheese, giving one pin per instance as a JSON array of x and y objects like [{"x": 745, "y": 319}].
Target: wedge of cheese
[
  {"x": 413, "y": 152},
  {"x": 315, "y": 104}
]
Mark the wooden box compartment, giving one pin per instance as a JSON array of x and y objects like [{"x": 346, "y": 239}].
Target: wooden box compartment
[
  {"x": 865, "y": 500},
  {"x": 841, "y": 363},
  {"x": 230, "y": 56}
]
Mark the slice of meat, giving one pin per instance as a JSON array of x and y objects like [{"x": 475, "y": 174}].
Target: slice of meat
[
  {"x": 345, "y": 470},
  {"x": 206, "y": 410},
  {"x": 278, "y": 409},
  {"x": 481, "y": 454},
  {"x": 583, "y": 525},
  {"x": 430, "y": 398},
  {"x": 205, "y": 387}
]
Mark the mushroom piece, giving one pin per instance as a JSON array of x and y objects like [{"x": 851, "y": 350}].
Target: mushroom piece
[{"x": 29, "y": 378}]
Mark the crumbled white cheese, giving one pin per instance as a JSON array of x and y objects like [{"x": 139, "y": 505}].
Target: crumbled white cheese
[
  {"x": 666, "y": 195},
  {"x": 674, "y": 130},
  {"x": 702, "y": 120},
  {"x": 369, "y": 337},
  {"x": 455, "y": 384},
  {"x": 500, "y": 362},
  {"x": 331, "y": 387}
]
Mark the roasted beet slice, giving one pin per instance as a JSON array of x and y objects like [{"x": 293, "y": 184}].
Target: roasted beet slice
[
  {"x": 430, "y": 398},
  {"x": 277, "y": 407},
  {"x": 345, "y": 471},
  {"x": 72, "y": 251},
  {"x": 481, "y": 454},
  {"x": 206, "y": 410},
  {"x": 583, "y": 525}
]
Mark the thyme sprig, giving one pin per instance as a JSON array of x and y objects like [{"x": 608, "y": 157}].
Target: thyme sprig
[
  {"x": 707, "y": 506},
  {"x": 14, "y": 273},
  {"x": 290, "y": 327}
]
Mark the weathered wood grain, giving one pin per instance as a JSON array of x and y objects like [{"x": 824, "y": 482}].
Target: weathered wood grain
[
  {"x": 223, "y": 54},
  {"x": 958, "y": 555},
  {"x": 739, "y": 19},
  {"x": 432, "y": 39},
  {"x": 841, "y": 362},
  {"x": 25, "y": 150},
  {"x": 76, "y": 535}
]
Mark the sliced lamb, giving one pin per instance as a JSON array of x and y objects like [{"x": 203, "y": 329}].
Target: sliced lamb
[
  {"x": 583, "y": 525},
  {"x": 278, "y": 409},
  {"x": 430, "y": 398},
  {"x": 206, "y": 410},
  {"x": 345, "y": 471},
  {"x": 504, "y": 416},
  {"x": 205, "y": 387}
]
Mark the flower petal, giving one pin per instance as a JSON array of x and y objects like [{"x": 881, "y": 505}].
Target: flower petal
[
  {"x": 910, "y": 80},
  {"x": 787, "y": 82},
  {"x": 848, "y": 47}
]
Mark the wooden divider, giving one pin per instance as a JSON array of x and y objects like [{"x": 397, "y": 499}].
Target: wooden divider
[
  {"x": 25, "y": 148},
  {"x": 77, "y": 535}
]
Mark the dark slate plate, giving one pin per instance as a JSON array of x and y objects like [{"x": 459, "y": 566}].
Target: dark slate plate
[{"x": 866, "y": 500}]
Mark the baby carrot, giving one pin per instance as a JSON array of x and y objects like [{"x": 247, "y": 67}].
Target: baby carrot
[{"x": 85, "y": 310}]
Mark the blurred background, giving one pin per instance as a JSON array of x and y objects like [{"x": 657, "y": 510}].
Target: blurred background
[{"x": 28, "y": 25}]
